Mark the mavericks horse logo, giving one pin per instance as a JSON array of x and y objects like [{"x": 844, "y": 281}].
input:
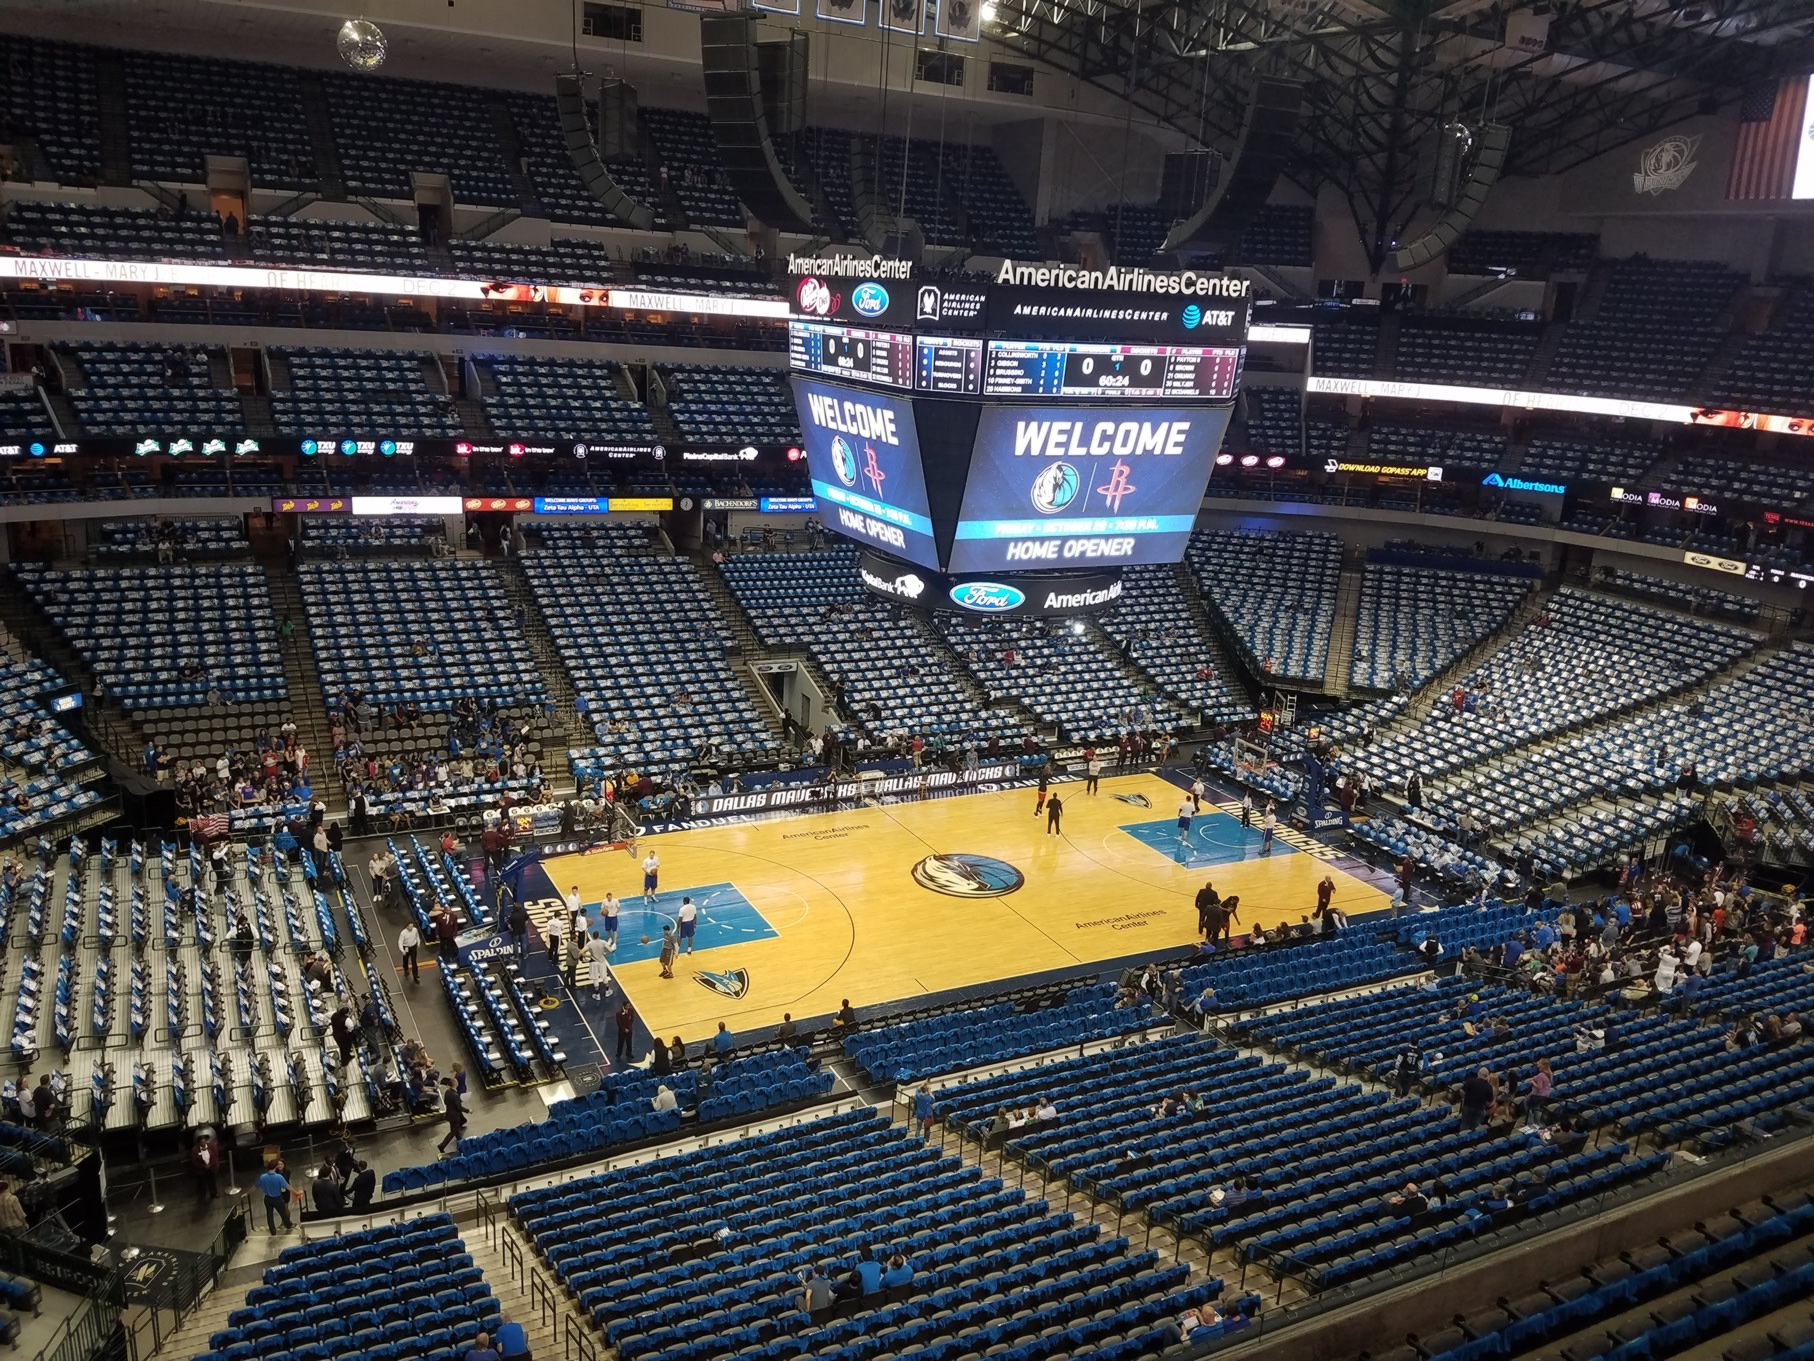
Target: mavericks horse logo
[
  {"x": 1138, "y": 800},
  {"x": 960, "y": 875},
  {"x": 734, "y": 983}
]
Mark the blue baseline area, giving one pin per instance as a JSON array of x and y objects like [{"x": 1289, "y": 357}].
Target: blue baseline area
[
  {"x": 726, "y": 917},
  {"x": 1214, "y": 839}
]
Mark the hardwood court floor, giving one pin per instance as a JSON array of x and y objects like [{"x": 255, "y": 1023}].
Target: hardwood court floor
[{"x": 885, "y": 903}]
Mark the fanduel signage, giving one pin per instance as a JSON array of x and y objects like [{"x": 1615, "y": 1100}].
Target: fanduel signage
[{"x": 1186, "y": 282}]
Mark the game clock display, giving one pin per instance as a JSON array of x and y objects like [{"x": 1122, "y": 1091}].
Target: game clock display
[{"x": 1029, "y": 368}]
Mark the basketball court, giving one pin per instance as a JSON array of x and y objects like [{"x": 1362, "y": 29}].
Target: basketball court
[{"x": 893, "y": 902}]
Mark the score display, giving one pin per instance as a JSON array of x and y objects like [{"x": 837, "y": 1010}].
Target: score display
[
  {"x": 1033, "y": 368},
  {"x": 852, "y": 353}
]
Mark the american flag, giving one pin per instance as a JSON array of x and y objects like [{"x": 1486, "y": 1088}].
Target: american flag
[
  {"x": 208, "y": 826},
  {"x": 1771, "y": 130}
]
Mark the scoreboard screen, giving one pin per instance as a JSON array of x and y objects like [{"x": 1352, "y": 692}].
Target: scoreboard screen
[
  {"x": 950, "y": 366},
  {"x": 852, "y": 353},
  {"x": 1044, "y": 369}
]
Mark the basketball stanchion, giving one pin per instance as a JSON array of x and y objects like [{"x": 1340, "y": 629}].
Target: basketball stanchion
[{"x": 157, "y": 1206}]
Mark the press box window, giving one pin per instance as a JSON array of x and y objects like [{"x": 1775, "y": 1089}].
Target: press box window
[
  {"x": 939, "y": 68},
  {"x": 1007, "y": 78},
  {"x": 616, "y": 23}
]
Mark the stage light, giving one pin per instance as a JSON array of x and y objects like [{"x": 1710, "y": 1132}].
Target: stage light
[
  {"x": 1276, "y": 461},
  {"x": 793, "y": 455},
  {"x": 362, "y": 44},
  {"x": 1250, "y": 460},
  {"x": 1077, "y": 627},
  {"x": 1223, "y": 460}
]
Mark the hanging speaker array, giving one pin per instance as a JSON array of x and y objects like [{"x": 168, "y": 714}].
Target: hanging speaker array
[
  {"x": 1494, "y": 141},
  {"x": 1260, "y": 156},
  {"x": 576, "y": 132},
  {"x": 734, "y": 102}
]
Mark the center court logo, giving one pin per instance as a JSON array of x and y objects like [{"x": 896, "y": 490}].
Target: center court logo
[
  {"x": 961, "y": 875},
  {"x": 734, "y": 983},
  {"x": 1138, "y": 800}
]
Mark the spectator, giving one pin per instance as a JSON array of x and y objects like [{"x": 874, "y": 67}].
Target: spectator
[
  {"x": 329, "y": 1198},
  {"x": 1542, "y": 1084},
  {"x": 665, "y": 1100},
  {"x": 845, "y": 1023},
  {"x": 455, "y": 1107},
  {"x": 723, "y": 1043},
  {"x": 922, "y": 1109},
  {"x": 365, "y": 1182},
  {"x": 12, "y": 1213},
  {"x": 1477, "y": 1096},
  {"x": 276, "y": 1189},
  {"x": 44, "y": 1104},
  {"x": 512, "y": 1342},
  {"x": 816, "y": 1295},
  {"x": 481, "y": 1349},
  {"x": 1411, "y": 1201}
]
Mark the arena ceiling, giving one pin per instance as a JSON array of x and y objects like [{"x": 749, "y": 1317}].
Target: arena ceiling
[{"x": 1383, "y": 77}]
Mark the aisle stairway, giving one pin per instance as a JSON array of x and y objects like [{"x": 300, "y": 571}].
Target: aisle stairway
[
  {"x": 308, "y": 708},
  {"x": 1340, "y": 664}
]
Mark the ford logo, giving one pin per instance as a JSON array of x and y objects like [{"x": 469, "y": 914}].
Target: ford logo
[
  {"x": 987, "y": 597},
  {"x": 869, "y": 298}
]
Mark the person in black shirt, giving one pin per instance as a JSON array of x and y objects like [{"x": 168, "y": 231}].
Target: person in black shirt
[
  {"x": 1404, "y": 1072},
  {"x": 1208, "y": 900},
  {"x": 1410, "y": 1201},
  {"x": 1476, "y": 1099},
  {"x": 365, "y": 1182},
  {"x": 455, "y": 1106},
  {"x": 329, "y": 1200}
]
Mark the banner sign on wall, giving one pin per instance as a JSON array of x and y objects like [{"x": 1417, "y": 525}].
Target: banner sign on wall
[
  {"x": 916, "y": 784},
  {"x": 1014, "y": 596},
  {"x": 959, "y": 19},
  {"x": 903, "y": 16}
]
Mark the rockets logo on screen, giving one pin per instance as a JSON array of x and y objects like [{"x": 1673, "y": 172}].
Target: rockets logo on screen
[
  {"x": 1117, "y": 489},
  {"x": 872, "y": 469}
]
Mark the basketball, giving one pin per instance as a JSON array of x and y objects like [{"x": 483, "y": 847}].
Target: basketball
[{"x": 645, "y": 940}]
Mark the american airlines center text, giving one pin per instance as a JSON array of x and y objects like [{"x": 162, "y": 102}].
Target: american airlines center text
[{"x": 916, "y": 784}]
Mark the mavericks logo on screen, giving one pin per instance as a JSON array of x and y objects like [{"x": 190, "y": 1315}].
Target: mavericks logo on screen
[
  {"x": 844, "y": 460},
  {"x": 961, "y": 875},
  {"x": 1055, "y": 486}
]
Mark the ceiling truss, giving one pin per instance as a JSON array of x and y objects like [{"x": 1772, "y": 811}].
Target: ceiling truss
[{"x": 1383, "y": 79}]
